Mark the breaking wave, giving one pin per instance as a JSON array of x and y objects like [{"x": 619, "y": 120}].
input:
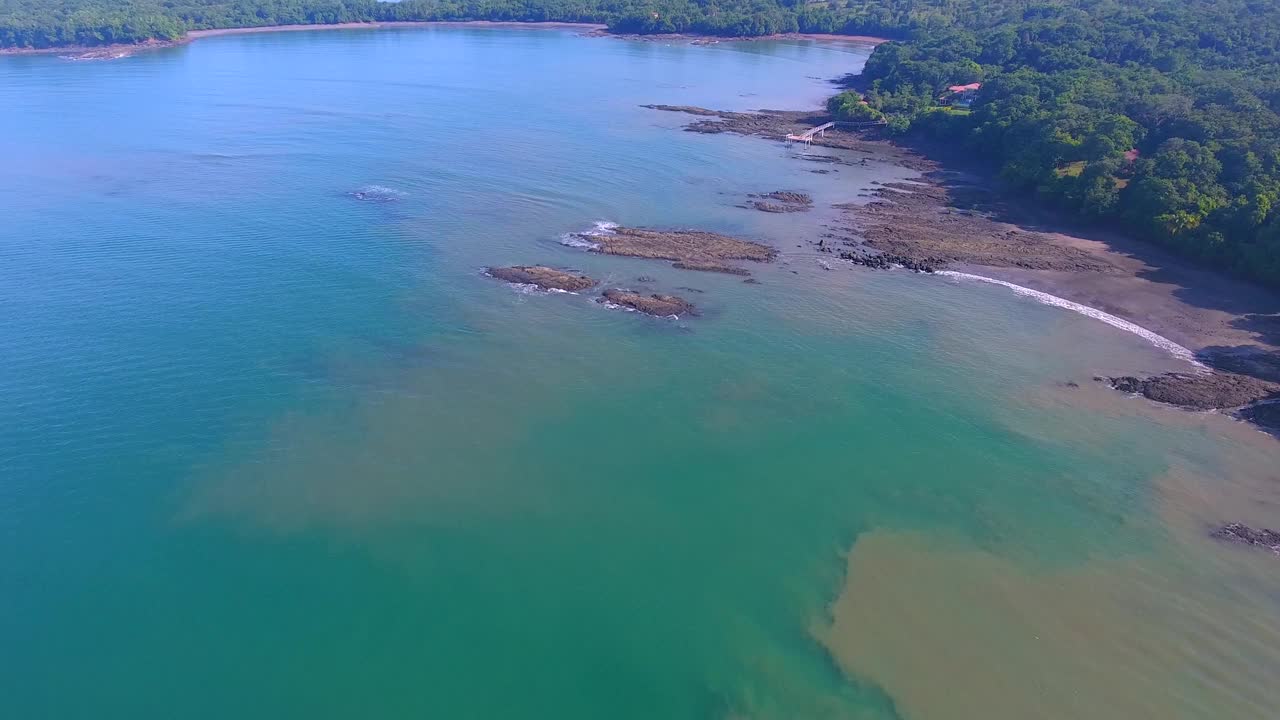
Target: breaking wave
[
  {"x": 377, "y": 193},
  {"x": 582, "y": 238},
  {"x": 1159, "y": 341}
]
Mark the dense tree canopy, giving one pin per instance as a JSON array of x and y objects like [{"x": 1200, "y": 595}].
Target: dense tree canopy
[{"x": 1157, "y": 114}]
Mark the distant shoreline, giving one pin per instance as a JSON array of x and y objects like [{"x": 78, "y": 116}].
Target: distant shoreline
[{"x": 113, "y": 52}]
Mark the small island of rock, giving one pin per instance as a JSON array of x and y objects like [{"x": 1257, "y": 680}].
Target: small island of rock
[
  {"x": 1198, "y": 391},
  {"x": 1245, "y": 535},
  {"x": 542, "y": 276},
  {"x": 689, "y": 249},
  {"x": 657, "y": 305}
]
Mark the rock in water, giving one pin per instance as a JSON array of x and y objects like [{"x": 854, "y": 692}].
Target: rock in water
[
  {"x": 689, "y": 249},
  {"x": 1203, "y": 391},
  {"x": 542, "y": 276},
  {"x": 1245, "y": 535},
  {"x": 783, "y": 201},
  {"x": 656, "y": 305},
  {"x": 1264, "y": 415}
]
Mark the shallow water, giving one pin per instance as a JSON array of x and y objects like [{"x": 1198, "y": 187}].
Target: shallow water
[{"x": 269, "y": 450}]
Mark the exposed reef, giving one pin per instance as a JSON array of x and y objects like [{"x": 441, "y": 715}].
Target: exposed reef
[
  {"x": 688, "y": 249},
  {"x": 542, "y": 276},
  {"x": 656, "y": 305},
  {"x": 1245, "y": 535}
]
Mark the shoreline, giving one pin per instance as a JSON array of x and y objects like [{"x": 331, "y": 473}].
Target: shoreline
[
  {"x": 1155, "y": 339},
  {"x": 123, "y": 50},
  {"x": 957, "y": 223}
]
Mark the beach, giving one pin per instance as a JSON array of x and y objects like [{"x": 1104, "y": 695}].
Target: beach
[{"x": 123, "y": 50}]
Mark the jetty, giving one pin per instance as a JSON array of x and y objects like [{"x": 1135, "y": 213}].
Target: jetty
[{"x": 807, "y": 136}]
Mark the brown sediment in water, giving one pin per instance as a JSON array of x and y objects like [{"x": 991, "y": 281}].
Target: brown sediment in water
[
  {"x": 542, "y": 276},
  {"x": 953, "y": 632},
  {"x": 689, "y": 249},
  {"x": 656, "y": 305}
]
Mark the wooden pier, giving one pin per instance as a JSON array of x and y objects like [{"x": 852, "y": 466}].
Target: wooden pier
[{"x": 807, "y": 136}]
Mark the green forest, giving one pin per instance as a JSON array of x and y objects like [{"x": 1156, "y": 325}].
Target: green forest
[{"x": 1156, "y": 115}]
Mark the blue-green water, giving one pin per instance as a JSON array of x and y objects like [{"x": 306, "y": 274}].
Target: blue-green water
[{"x": 270, "y": 451}]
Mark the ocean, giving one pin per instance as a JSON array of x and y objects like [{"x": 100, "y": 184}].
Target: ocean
[{"x": 273, "y": 446}]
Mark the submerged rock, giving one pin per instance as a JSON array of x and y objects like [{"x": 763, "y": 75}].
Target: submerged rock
[
  {"x": 1245, "y": 535},
  {"x": 376, "y": 193},
  {"x": 657, "y": 305},
  {"x": 781, "y": 201},
  {"x": 542, "y": 276},
  {"x": 1201, "y": 391}
]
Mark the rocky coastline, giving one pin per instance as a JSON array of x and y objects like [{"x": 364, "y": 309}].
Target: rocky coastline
[{"x": 949, "y": 219}]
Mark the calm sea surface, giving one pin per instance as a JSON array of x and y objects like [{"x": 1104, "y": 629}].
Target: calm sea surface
[{"x": 270, "y": 451}]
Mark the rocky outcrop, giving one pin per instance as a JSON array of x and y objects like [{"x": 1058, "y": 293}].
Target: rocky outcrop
[
  {"x": 889, "y": 261},
  {"x": 1265, "y": 415},
  {"x": 689, "y": 110},
  {"x": 1245, "y": 535},
  {"x": 544, "y": 277},
  {"x": 1199, "y": 391},
  {"x": 689, "y": 249},
  {"x": 656, "y": 305},
  {"x": 916, "y": 222},
  {"x": 780, "y": 201}
]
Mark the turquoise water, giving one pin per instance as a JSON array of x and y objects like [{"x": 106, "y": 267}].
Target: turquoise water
[{"x": 270, "y": 451}]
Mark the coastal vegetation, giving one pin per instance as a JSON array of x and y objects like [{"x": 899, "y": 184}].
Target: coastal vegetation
[{"x": 1155, "y": 115}]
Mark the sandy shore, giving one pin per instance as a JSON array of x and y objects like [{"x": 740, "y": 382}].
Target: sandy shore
[
  {"x": 713, "y": 39},
  {"x": 197, "y": 34},
  {"x": 112, "y": 52}
]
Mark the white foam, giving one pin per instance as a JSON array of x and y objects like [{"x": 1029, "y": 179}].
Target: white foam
[
  {"x": 377, "y": 193},
  {"x": 532, "y": 289},
  {"x": 1159, "y": 341},
  {"x": 582, "y": 239}
]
